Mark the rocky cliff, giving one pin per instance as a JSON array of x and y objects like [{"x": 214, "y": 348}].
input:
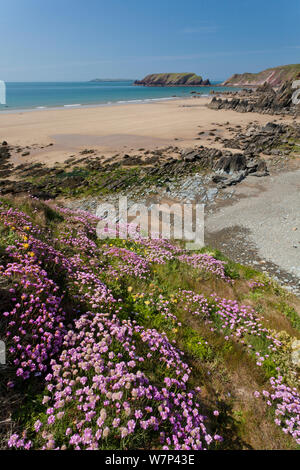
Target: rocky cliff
[
  {"x": 264, "y": 99},
  {"x": 275, "y": 76},
  {"x": 172, "y": 79}
]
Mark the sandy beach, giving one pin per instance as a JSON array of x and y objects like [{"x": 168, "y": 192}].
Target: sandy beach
[
  {"x": 53, "y": 136},
  {"x": 118, "y": 128}
]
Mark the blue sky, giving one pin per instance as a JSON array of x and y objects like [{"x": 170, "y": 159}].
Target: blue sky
[{"x": 62, "y": 40}]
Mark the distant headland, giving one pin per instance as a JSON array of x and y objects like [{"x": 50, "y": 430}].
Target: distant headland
[
  {"x": 172, "y": 79},
  {"x": 275, "y": 76}
]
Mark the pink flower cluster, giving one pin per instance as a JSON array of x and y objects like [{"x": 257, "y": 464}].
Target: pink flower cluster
[
  {"x": 255, "y": 284},
  {"x": 286, "y": 401},
  {"x": 235, "y": 321},
  {"x": 159, "y": 250},
  {"x": 99, "y": 388},
  {"x": 100, "y": 391},
  {"x": 205, "y": 262},
  {"x": 128, "y": 262},
  {"x": 35, "y": 324}
]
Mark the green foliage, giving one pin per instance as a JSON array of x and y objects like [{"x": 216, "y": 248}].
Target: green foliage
[
  {"x": 282, "y": 73},
  {"x": 196, "y": 345},
  {"x": 7, "y": 237},
  {"x": 270, "y": 367},
  {"x": 283, "y": 359},
  {"x": 232, "y": 269},
  {"x": 290, "y": 313},
  {"x": 51, "y": 215}
]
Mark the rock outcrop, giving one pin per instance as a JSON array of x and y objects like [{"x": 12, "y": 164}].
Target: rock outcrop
[
  {"x": 271, "y": 139},
  {"x": 172, "y": 79},
  {"x": 275, "y": 76},
  {"x": 264, "y": 100},
  {"x": 157, "y": 167},
  {"x": 5, "y": 166}
]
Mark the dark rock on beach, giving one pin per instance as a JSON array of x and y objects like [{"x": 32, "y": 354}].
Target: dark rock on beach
[
  {"x": 232, "y": 163},
  {"x": 264, "y": 100},
  {"x": 271, "y": 139}
]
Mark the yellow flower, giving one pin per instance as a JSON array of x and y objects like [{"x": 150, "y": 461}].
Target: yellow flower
[
  {"x": 175, "y": 330},
  {"x": 31, "y": 254},
  {"x": 27, "y": 228},
  {"x": 25, "y": 245},
  {"x": 147, "y": 302},
  {"x": 25, "y": 238},
  {"x": 13, "y": 228},
  {"x": 130, "y": 289}
]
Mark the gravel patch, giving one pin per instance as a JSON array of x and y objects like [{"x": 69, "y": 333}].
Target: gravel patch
[{"x": 261, "y": 226}]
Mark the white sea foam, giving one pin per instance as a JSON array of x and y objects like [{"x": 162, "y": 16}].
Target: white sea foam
[
  {"x": 147, "y": 100},
  {"x": 135, "y": 101},
  {"x": 2, "y": 92},
  {"x": 95, "y": 105},
  {"x": 163, "y": 99}
]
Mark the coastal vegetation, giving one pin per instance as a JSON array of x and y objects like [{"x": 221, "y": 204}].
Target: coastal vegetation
[
  {"x": 126, "y": 344},
  {"x": 275, "y": 76}
]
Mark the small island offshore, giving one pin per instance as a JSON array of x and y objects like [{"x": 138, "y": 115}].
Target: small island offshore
[{"x": 173, "y": 79}]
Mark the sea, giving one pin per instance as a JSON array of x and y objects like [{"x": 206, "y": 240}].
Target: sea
[{"x": 44, "y": 95}]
